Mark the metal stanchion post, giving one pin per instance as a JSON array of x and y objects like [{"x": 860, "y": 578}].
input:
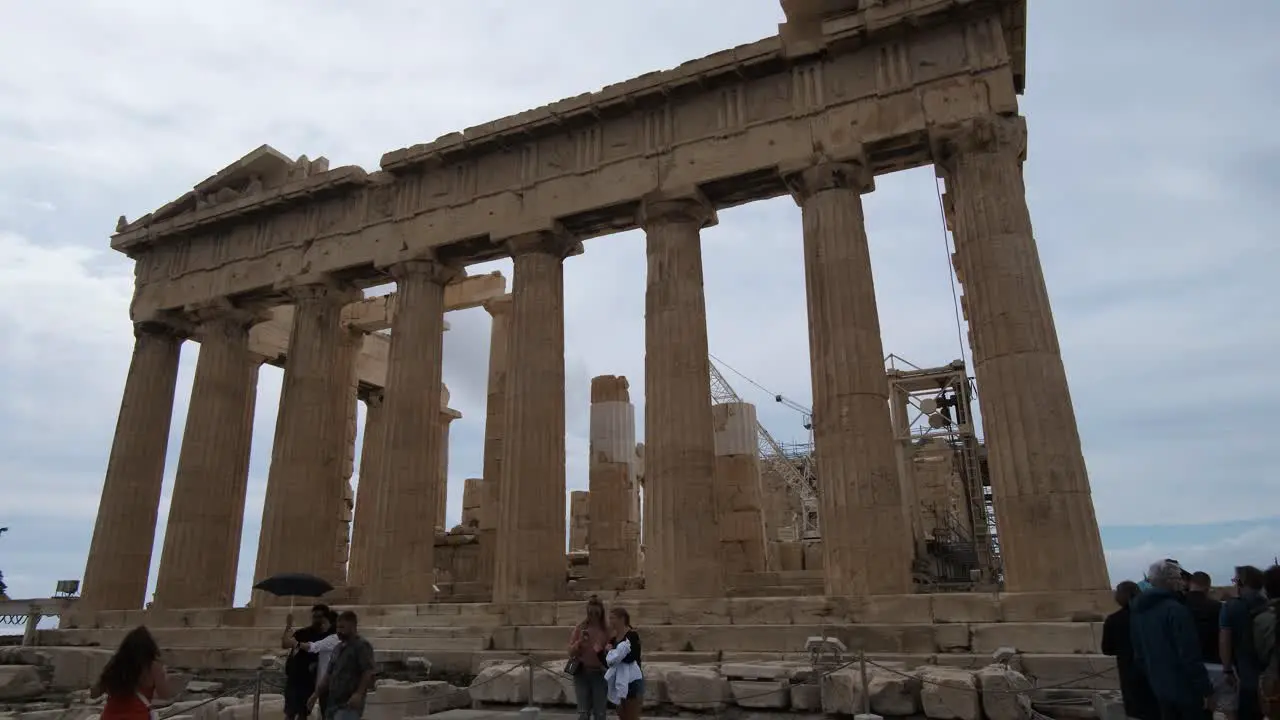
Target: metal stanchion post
[
  {"x": 530, "y": 711},
  {"x": 866, "y": 713},
  {"x": 257, "y": 692}
]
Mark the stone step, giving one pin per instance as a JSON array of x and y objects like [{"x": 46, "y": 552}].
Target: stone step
[
  {"x": 790, "y": 609},
  {"x": 461, "y": 638},
  {"x": 1062, "y": 637}
]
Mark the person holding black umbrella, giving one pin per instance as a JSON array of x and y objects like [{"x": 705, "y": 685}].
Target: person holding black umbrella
[{"x": 300, "y": 667}]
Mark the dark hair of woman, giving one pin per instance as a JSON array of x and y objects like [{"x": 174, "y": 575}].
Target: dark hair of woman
[
  {"x": 621, "y": 614},
  {"x": 1126, "y": 592},
  {"x": 132, "y": 661},
  {"x": 595, "y": 611}
]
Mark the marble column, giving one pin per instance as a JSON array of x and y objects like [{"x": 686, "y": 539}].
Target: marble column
[
  {"x": 406, "y": 504},
  {"x": 447, "y": 416},
  {"x": 1049, "y": 538},
  {"x": 367, "y": 490},
  {"x": 530, "y": 562},
  {"x": 682, "y": 557},
  {"x": 579, "y": 521},
  {"x": 305, "y": 483},
  {"x": 615, "y": 551},
  {"x": 738, "y": 501},
  {"x": 206, "y": 512},
  {"x": 115, "y": 576},
  {"x": 472, "y": 490},
  {"x": 865, "y": 548},
  {"x": 499, "y": 311}
]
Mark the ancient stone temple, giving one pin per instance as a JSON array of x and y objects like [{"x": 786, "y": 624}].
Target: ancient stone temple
[{"x": 267, "y": 261}]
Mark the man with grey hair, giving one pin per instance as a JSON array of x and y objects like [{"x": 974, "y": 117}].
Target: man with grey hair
[{"x": 1167, "y": 647}]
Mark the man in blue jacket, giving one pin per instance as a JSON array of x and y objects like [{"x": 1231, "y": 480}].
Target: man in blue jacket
[{"x": 1167, "y": 647}]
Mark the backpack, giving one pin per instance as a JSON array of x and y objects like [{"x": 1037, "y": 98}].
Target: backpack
[{"x": 1263, "y": 638}]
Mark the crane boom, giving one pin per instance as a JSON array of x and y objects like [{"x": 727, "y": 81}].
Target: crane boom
[{"x": 772, "y": 458}]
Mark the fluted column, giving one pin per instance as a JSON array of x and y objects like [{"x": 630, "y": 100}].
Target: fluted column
[
  {"x": 865, "y": 548},
  {"x": 304, "y": 485},
  {"x": 406, "y": 504},
  {"x": 579, "y": 520},
  {"x": 682, "y": 557},
  {"x": 206, "y": 512},
  {"x": 367, "y": 491},
  {"x": 530, "y": 562},
  {"x": 1049, "y": 538},
  {"x": 495, "y": 416},
  {"x": 614, "y": 536},
  {"x": 742, "y": 538},
  {"x": 115, "y": 576}
]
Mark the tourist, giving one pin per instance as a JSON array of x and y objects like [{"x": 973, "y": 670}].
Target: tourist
[
  {"x": 324, "y": 647},
  {"x": 1205, "y": 611},
  {"x": 350, "y": 676},
  {"x": 300, "y": 667},
  {"x": 625, "y": 677},
  {"x": 587, "y": 662},
  {"x": 1235, "y": 641},
  {"x": 132, "y": 678},
  {"x": 1264, "y": 645},
  {"x": 1166, "y": 648},
  {"x": 1139, "y": 702}
]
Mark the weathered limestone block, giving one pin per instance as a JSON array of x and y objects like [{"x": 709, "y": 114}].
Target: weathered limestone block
[
  {"x": 471, "y": 493},
  {"x": 949, "y": 693},
  {"x": 194, "y": 709},
  {"x": 269, "y": 709},
  {"x": 892, "y": 691},
  {"x": 764, "y": 694},
  {"x": 655, "y": 683},
  {"x": 395, "y": 700},
  {"x": 19, "y": 682},
  {"x": 1004, "y": 693},
  {"x": 737, "y": 488},
  {"x": 508, "y": 682},
  {"x": 697, "y": 688}
]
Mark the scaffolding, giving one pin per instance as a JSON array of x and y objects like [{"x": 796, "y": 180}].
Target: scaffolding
[
  {"x": 934, "y": 405},
  {"x": 793, "y": 466}
]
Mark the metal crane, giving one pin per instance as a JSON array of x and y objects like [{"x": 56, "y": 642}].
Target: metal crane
[{"x": 797, "y": 473}]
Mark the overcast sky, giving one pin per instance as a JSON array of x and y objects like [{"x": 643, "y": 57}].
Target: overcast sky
[{"x": 1153, "y": 177}]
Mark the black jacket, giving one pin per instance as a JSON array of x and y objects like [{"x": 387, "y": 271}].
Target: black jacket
[
  {"x": 1139, "y": 701},
  {"x": 1205, "y": 611}
]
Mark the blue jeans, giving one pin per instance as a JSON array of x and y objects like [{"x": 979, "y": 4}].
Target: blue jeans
[
  {"x": 592, "y": 694},
  {"x": 341, "y": 713}
]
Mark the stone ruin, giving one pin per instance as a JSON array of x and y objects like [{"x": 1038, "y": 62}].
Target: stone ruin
[{"x": 266, "y": 262}]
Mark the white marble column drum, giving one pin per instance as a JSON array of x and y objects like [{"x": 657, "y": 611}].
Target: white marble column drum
[
  {"x": 115, "y": 575},
  {"x": 206, "y": 511},
  {"x": 305, "y": 483},
  {"x": 615, "y": 535},
  {"x": 530, "y": 561},
  {"x": 1049, "y": 538},
  {"x": 410, "y": 463},
  {"x": 682, "y": 556},
  {"x": 865, "y": 548}
]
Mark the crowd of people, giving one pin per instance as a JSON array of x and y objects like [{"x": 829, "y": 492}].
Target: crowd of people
[{"x": 1184, "y": 654}]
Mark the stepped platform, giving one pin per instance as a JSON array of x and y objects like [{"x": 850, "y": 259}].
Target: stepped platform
[{"x": 1056, "y": 635}]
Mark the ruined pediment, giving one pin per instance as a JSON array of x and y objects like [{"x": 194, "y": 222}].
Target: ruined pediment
[{"x": 262, "y": 169}]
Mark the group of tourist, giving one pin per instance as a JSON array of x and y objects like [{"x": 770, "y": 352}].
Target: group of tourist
[
  {"x": 1183, "y": 654},
  {"x": 328, "y": 664},
  {"x": 604, "y": 660}
]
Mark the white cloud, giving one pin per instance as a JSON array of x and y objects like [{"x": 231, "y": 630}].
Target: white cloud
[
  {"x": 1257, "y": 545},
  {"x": 1152, "y": 193}
]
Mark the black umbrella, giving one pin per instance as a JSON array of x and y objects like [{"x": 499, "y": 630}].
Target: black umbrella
[{"x": 294, "y": 585}]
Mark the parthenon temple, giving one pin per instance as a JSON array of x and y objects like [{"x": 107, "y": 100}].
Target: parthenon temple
[{"x": 268, "y": 260}]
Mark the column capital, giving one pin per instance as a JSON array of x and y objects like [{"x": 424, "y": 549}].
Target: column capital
[
  {"x": 808, "y": 180},
  {"x": 438, "y": 272},
  {"x": 161, "y": 329},
  {"x": 500, "y": 305},
  {"x": 372, "y": 396},
  {"x": 222, "y": 313},
  {"x": 693, "y": 207},
  {"x": 322, "y": 289},
  {"x": 988, "y": 134},
  {"x": 554, "y": 241}
]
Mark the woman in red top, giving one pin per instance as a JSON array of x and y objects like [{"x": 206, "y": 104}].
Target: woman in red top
[
  {"x": 586, "y": 652},
  {"x": 132, "y": 678}
]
